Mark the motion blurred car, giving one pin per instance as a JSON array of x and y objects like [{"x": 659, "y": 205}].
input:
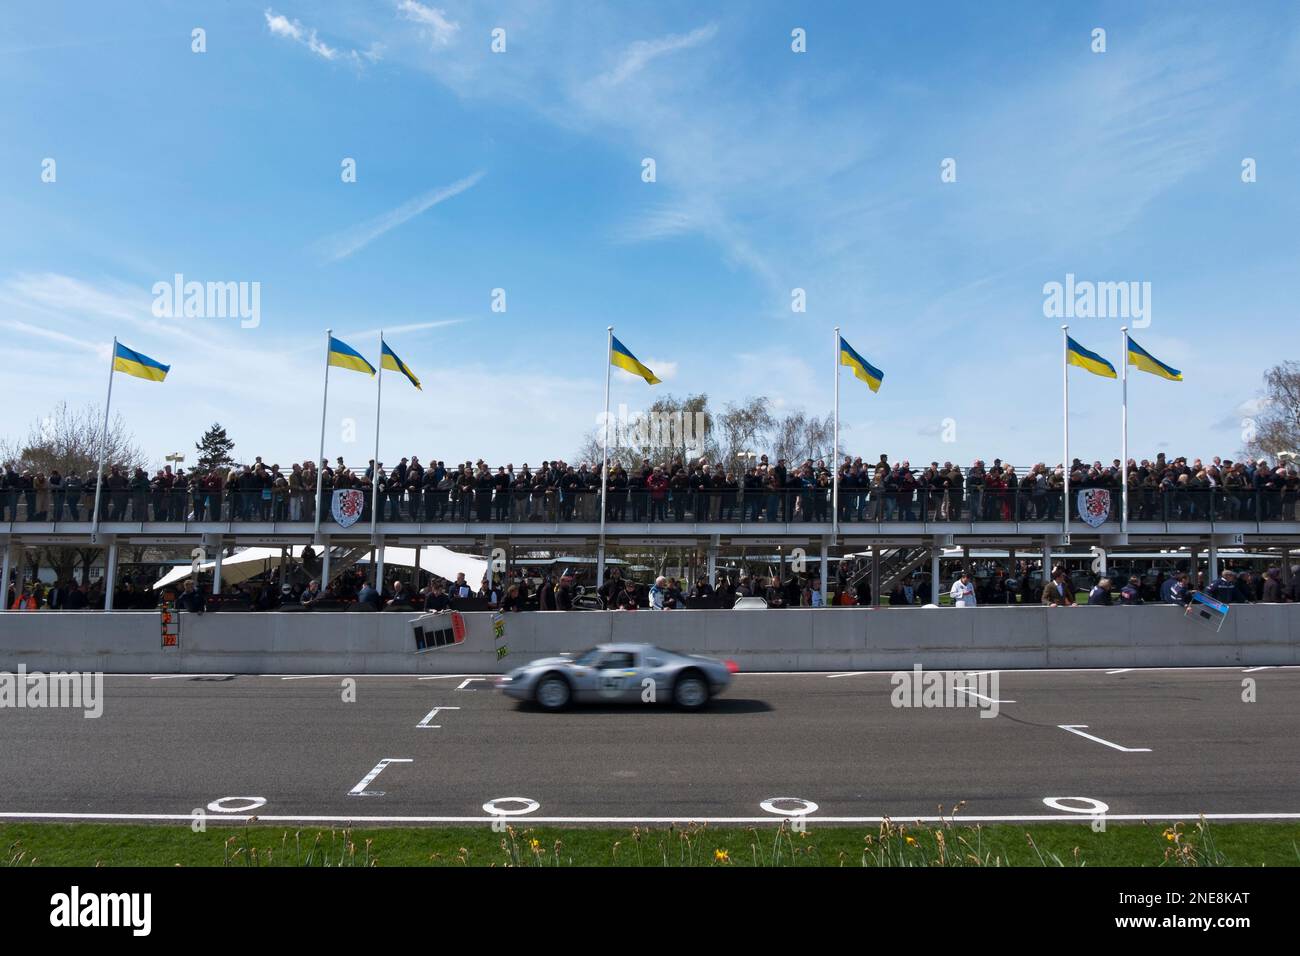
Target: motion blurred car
[{"x": 629, "y": 673}]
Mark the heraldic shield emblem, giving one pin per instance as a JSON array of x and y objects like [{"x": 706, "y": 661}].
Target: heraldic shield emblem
[
  {"x": 1094, "y": 506},
  {"x": 347, "y": 505}
]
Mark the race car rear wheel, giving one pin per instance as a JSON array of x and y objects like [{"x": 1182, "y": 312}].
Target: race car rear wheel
[
  {"x": 691, "y": 692},
  {"x": 553, "y": 692}
]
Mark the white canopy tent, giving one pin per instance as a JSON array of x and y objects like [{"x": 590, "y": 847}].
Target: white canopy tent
[{"x": 251, "y": 562}]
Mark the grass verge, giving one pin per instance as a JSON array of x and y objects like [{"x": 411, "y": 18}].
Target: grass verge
[{"x": 889, "y": 844}]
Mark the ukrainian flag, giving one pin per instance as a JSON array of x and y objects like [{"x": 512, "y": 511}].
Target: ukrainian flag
[
  {"x": 622, "y": 358},
  {"x": 345, "y": 356},
  {"x": 134, "y": 363},
  {"x": 861, "y": 367},
  {"x": 1141, "y": 358},
  {"x": 390, "y": 361},
  {"x": 1076, "y": 354}
]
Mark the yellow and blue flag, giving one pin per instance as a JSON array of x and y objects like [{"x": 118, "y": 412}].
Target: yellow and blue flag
[
  {"x": 861, "y": 367},
  {"x": 1141, "y": 358},
  {"x": 620, "y": 356},
  {"x": 390, "y": 361},
  {"x": 1076, "y": 354},
  {"x": 137, "y": 364},
  {"x": 345, "y": 356}
]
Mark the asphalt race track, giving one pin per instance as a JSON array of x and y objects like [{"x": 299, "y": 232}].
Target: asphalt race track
[{"x": 1148, "y": 744}]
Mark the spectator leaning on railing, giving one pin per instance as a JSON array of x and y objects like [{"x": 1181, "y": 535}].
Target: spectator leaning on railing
[{"x": 677, "y": 489}]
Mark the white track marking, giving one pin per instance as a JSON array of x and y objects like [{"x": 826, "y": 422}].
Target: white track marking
[
  {"x": 807, "y": 806},
  {"x": 529, "y": 805},
  {"x": 309, "y": 677},
  {"x": 1251, "y": 670},
  {"x": 430, "y": 715},
  {"x": 1079, "y": 728},
  {"x": 360, "y": 789},
  {"x": 849, "y": 674},
  {"x": 982, "y": 697},
  {"x": 1122, "y": 670},
  {"x": 254, "y": 803},
  {"x": 896, "y": 817},
  {"x": 1097, "y": 806},
  {"x": 978, "y": 673},
  {"x": 442, "y": 677},
  {"x": 464, "y": 685}
]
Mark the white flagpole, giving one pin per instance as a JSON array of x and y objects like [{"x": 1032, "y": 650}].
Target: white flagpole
[
  {"x": 374, "y": 476},
  {"x": 1065, "y": 391},
  {"x": 1123, "y": 461},
  {"x": 604, "y": 463},
  {"x": 103, "y": 444},
  {"x": 320, "y": 459},
  {"x": 835, "y": 449}
]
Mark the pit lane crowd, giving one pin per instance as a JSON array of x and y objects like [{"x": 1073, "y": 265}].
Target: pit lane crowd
[
  {"x": 352, "y": 591},
  {"x": 697, "y": 490}
]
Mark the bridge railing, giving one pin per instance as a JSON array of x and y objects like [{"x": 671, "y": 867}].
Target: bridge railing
[{"x": 558, "y": 505}]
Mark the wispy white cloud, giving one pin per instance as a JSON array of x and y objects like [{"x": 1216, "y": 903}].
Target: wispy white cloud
[
  {"x": 282, "y": 26},
  {"x": 390, "y": 330},
  {"x": 343, "y": 244},
  {"x": 664, "y": 370},
  {"x": 221, "y": 372},
  {"x": 433, "y": 21},
  {"x": 637, "y": 56}
]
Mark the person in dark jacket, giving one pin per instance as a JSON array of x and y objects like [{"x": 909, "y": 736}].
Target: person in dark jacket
[
  {"x": 191, "y": 599},
  {"x": 1175, "y": 590},
  {"x": 1131, "y": 593},
  {"x": 1273, "y": 586},
  {"x": 368, "y": 599},
  {"x": 1224, "y": 588},
  {"x": 1100, "y": 594},
  {"x": 437, "y": 599},
  {"x": 77, "y": 599}
]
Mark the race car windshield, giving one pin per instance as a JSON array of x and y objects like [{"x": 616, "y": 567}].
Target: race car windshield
[{"x": 587, "y": 657}]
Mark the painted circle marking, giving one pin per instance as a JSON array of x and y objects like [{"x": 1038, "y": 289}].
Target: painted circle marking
[
  {"x": 1058, "y": 803},
  {"x": 770, "y": 805},
  {"x": 219, "y": 806},
  {"x": 492, "y": 808}
]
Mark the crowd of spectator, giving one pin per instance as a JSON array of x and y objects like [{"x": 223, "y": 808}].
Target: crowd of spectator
[
  {"x": 351, "y": 590},
  {"x": 1176, "y": 489}
]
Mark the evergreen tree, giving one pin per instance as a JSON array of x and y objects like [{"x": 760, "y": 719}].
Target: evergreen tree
[{"x": 215, "y": 448}]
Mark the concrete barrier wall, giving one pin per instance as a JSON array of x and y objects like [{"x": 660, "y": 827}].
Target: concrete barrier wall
[{"x": 830, "y": 639}]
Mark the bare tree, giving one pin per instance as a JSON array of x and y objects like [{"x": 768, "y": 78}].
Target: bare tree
[
  {"x": 797, "y": 437},
  {"x": 1276, "y": 429},
  {"x": 670, "y": 428},
  {"x": 68, "y": 440},
  {"x": 743, "y": 427}
]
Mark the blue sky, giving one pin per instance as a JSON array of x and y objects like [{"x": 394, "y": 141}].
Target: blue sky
[{"x": 775, "y": 170}]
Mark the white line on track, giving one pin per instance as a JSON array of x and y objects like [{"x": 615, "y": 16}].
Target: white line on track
[
  {"x": 963, "y": 690},
  {"x": 1122, "y": 670},
  {"x": 442, "y": 677},
  {"x": 360, "y": 789},
  {"x": 309, "y": 677},
  {"x": 430, "y": 715},
  {"x": 1076, "y": 729},
  {"x": 896, "y": 817},
  {"x": 1251, "y": 670},
  {"x": 849, "y": 674},
  {"x": 464, "y": 685}
]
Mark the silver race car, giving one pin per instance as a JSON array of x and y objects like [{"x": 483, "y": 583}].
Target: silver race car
[{"x": 632, "y": 673}]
